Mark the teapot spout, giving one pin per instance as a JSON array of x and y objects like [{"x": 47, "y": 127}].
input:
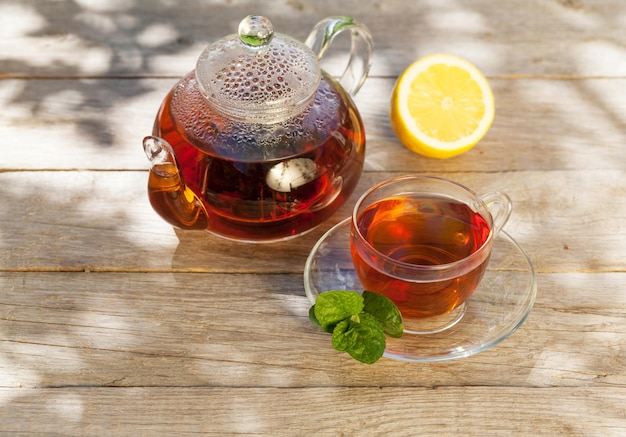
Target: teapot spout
[{"x": 169, "y": 195}]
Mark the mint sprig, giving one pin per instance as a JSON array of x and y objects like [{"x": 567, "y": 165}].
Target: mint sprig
[{"x": 358, "y": 322}]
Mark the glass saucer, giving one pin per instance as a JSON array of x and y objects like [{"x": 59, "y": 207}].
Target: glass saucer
[{"x": 497, "y": 308}]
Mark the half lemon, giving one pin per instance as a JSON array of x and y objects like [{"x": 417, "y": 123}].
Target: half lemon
[{"x": 441, "y": 106}]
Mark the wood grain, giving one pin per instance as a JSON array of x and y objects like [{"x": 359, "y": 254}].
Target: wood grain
[
  {"x": 114, "y": 323},
  {"x": 474, "y": 411}
]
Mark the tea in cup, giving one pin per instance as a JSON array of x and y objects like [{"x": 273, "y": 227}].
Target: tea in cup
[{"x": 425, "y": 243}]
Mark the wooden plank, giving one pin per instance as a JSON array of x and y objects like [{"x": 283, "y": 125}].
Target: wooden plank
[
  {"x": 183, "y": 329},
  {"x": 99, "y": 124},
  {"x": 472, "y": 411},
  {"x": 524, "y": 38},
  {"x": 102, "y": 221}
]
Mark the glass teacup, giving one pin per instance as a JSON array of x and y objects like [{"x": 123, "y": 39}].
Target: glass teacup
[{"x": 425, "y": 243}]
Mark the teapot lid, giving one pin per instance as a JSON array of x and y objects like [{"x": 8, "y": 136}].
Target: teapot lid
[{"x": 258, "y": 76}]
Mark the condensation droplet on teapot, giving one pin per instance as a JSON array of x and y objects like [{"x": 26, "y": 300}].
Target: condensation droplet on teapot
[
  {"x": 258, "y": 76},
  {"x": 254, "y": 141}
]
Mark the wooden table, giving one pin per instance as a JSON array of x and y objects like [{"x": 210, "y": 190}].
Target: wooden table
[{"x": 114, "y": 323}]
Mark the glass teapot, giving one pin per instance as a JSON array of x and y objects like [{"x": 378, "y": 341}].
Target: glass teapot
[{"x": 258, "y": 143}]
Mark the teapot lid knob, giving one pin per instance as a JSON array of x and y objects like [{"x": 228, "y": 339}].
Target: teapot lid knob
[{"x": 256, "y": 31}]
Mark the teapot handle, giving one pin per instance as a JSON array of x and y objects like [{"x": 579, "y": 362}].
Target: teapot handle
[{"x": 361, "y": 50}]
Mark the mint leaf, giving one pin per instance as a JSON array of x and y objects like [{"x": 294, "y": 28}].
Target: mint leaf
[
  {"x": 385, "y": 312},
  {"x": 358, "y": 322},
  {"x": 315, "y": 322},
  {"x": 342, "y": 339},
  {"x": 361, "y": 336},
  {"x": 332, "y": 307},
  {"x": 312, "y": 317}
]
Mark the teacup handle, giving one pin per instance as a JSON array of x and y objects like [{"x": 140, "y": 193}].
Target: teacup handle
[
  {"x": 500, "y": 207},
  {"x": 361, "y": 50}
]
